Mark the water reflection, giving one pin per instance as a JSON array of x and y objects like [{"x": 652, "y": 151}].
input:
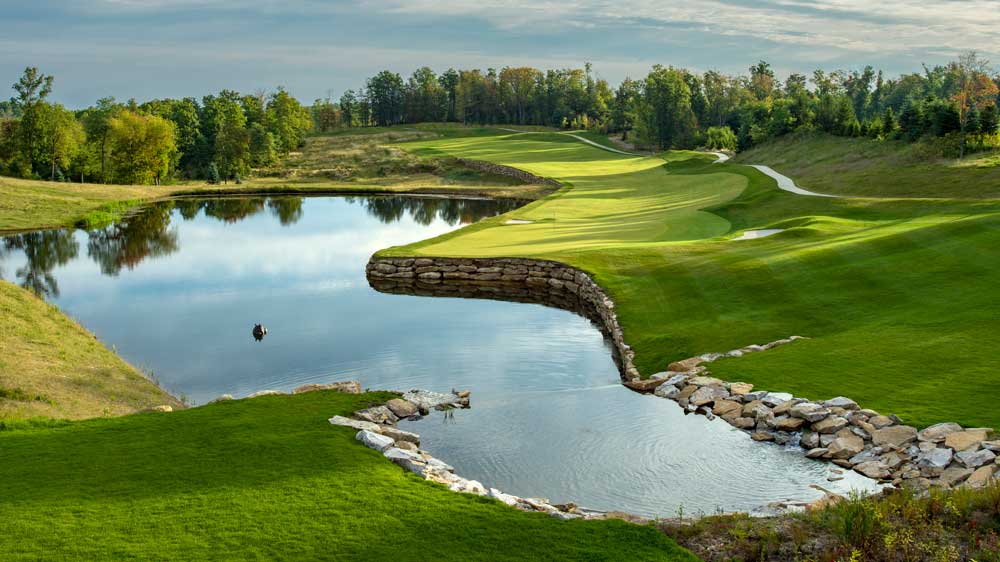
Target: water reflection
[{"x": 149, "y": 234}]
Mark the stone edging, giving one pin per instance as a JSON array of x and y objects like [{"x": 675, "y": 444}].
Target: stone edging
[
  {"x": 838, "y": 430},
  {"x": 508, "y": 171},
  {"x": 534, "y": 280}
]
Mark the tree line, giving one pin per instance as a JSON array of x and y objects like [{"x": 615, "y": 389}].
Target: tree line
[
  {"x": 220, "y": 138},
  {"x": 224, "y": 136},
  {"x": 675, "y": 108}
]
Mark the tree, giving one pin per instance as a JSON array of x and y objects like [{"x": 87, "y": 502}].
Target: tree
[
  {"x": 325, "y": 115},
  {"x": 348, "y": 112},
  {"x": 385, "y": 94},
  {"x": 517, "y": 87},
  {"x": 32, "y": 89},
  {"x": 624, "y": 106},
  {"x": 721, "y": 138},
  {"x": 989, "y": 119},
  {"x": 665, "y": 115},
  {"x": 142, "y": 147},
  {"x": 96, "y": 123},
  {"x": 975, "y": 90},
  {"x": 59, "y": 138},
  {"x": 287, "y": 120},
  {"x": 449, "y": 83},
  {"x": 761, "y": 80}
]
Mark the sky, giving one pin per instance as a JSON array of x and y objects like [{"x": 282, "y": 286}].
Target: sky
[{"x": 147, "y": 49}]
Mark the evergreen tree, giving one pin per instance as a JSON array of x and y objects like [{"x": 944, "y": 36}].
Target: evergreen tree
[{"x": 213, "y": 174}]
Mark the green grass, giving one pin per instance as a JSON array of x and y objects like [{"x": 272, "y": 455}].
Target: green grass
[
  {"x": 52, "y": 367},
  {"x": 861, "y": 167},
  {"x": 899, "y": 296},
  {"x": 263, "y": 479}
]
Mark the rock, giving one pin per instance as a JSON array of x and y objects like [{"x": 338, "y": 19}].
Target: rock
[
  {"x": 406, "y": 459},
  {"x": 685, "y": 394},
  {"x": 845, "y": 447},
  {"x": 750, "y": 409},
  {"x": 161, "y": 408},
  {"x": 377, "y": 414},
  {"x": 775, "y": 399},
  {"x": 962, "y": 440},
  {"x": 935, "y": 458},
  {"x": 740, "y": 388},
  {"x": 809, "y": 440},
  {"x": 645, "y": 385},
  {"x": 810, "y": 412},
  {"x": 841, "y": 402},
  {"x": 435, "y": 464},
  {"x": 676, "y": 378},
  {"x": 407, "y": 446},
  {"x": 685, "y": 365},
  {"x": 427, "y": 399},
  {"x": 707, "y": 395},
  {"x": 826, "y": 439},
  {"x": 667, "y": 391},
  {"x": 865, "y": 456},
  {"x": 790, "y": 424},
  {"x": 347, "y": 387},
  {"x": 830, "y": 424},
  {"x": 880, "y": 421},
  {"x": 754, "y": 396},
  {"x": 975, "y": 459},
  {"x": 762, "y": 436},
  {"x": 981, "y": 478},
  {"x": 222, "y": 398},
  {"x": 463, "y": 393},
  {"x": 401, "y": 408},
  {"x": 893, "y": 460},
  {"x": 504, "y": 498},
  {"x": 744, "y": 423},
  {"x": 706, "y": 381},
  {"x": 265, "y": 393},
  {"x": 937, "y": 432},
  {"x": 991, "y": 445},
  {"x": 356, "y": 424},
  {"x": 895, "y": 436},
  {"x": 374, "y": 440},
  {"x": 727, "y": 408},
  {"x": 816, "y": 453},
  {"x": 872, "y": 469},
  {"x": 398, "y": 435},
  {"x": 954, "y": 475}
]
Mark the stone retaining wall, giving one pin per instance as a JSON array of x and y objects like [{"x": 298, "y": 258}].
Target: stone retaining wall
[
  {"x": 517, "y": 279},
  {"x": 508, "y": 171}
]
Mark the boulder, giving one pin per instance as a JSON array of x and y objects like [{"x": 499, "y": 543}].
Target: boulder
[
  {"x": 406, "y": 459},
  {"x": 744, "y": 423},
  {"x": 789, "y": 424},
  {"x": 377, "y": 414},
  {"x": 775, "y": 399},
  {"x": 893, "y": 460},
  {"x": 841, "y": 402},
  {"x": 954, "y": 475},
  {"x": 808, "y": 411},
  {"x": 816, "y": 453},
  {"x": 685, "y": 394},
  {"x": 845, "y": 447},
  {"x": 504, "y": 498},
  {"x": 401, "y": 408},
  {"x": 750, "y": 409},
  {"x": 707, "y": 395},
  {"x": 222, "y": 398},
  {"x": 937, "y": 432},
  {"x": 356, "y": 424},
  {"x": 982, "y": 477},
  {"x": 706, "y": 381},
  {"x": 161, "y": 408},
  {"x": 727, "y": 408},
  {"x": 347, "y": 387},
  {"x": 992, "y": 446},
  {"x": 374, "y": 440},
  {"x": 407, "y": 446},
  {"x": 895, "y": 436},
  {"x": 265, "y": 393},
  {"x": 962, "y": 440},
  {"x": 786, "y": 407},
  {"x": 398, "y": 435},
  {"x": 762, "y": 436},
  {"x": 873, "y": 469},
  {"x": 645, "y": 385},
  {"x": 685, "y": 365},
  {"x": 427, "y": 400},
  {"x": 740, "y": 388},
  {"x": 667, "y": 391},
  {"x": 436, "y": 464},
  {"x": 829, "y": 424},
  {"x": 880, "y": 422},
  {"x": 975, "y": 459},
  {"x": 676, "y": 378},
  {"x": 937, "y": 457},
  {"x": 809, "y": 440}
]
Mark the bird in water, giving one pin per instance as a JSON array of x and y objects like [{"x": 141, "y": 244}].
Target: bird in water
[{"x": 259, "y": 332}]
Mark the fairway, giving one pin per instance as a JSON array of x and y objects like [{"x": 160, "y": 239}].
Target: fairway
[{"x": 897, "y": 295}]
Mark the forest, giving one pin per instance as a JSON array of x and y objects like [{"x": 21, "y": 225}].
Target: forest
[{"x": 223, "y": 137}]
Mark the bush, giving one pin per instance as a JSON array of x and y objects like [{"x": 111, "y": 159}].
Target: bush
[{"x": 721, "y": 138}]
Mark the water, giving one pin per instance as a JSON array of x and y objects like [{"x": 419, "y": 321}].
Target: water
[{"x": 176, "y": 290}]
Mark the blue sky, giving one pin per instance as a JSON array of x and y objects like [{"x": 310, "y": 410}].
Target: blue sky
[{"x": 175, "y": 48}]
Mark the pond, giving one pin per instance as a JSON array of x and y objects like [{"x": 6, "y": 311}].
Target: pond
[{"x": 177, "y": 288}]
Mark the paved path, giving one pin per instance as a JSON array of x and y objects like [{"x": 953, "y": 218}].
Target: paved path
[{"x": 578, "y": 137}]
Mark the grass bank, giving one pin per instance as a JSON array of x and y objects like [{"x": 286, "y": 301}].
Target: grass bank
[
  {"x": 868, "y": 168},
  {"x": 898, "y": 295},
  {"x": 264, "y": 479},
  {"x": 51, "y": 367}
]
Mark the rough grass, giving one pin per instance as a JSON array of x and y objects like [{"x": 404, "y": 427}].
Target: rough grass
[
  {"x": 51, "y": 367},
  {"x": 898, "y": 295},
  {"x": 263, "y": 479},
  {"x": 868, "y": 168}
]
